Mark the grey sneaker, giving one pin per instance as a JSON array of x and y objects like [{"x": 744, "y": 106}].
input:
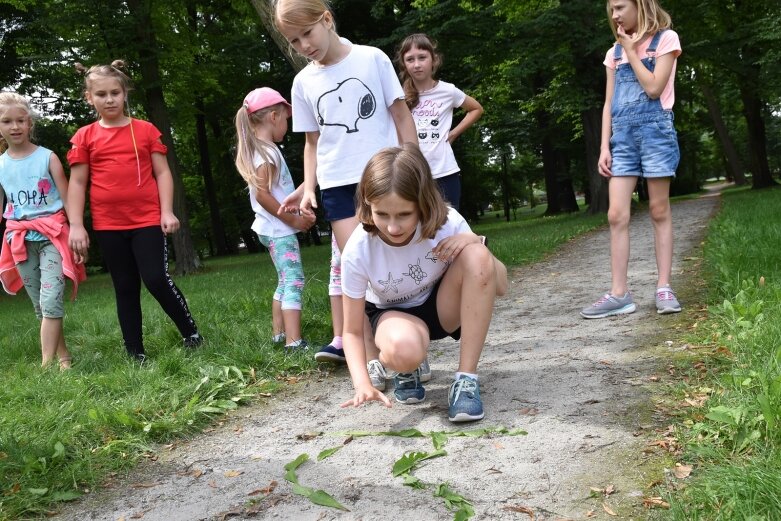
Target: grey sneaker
[
  {"x": 425, "y": 370},
  {"x": 666, "y": 302},
  {"x": 408, "y": 388},
  {"x": 609, "y": 305},
  {"x": 464, "y": 403},
  {"x": 377, "y": 374}
]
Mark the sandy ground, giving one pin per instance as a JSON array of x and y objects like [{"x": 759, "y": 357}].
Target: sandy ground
[{"x": 580, "y": 388}]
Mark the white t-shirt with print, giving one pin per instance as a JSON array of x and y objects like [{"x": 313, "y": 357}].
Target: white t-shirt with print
[
  {"x": 395, "y": 276},
  {"x": 347, "y": 102},
  {"x": 265, "y": 223},
  {"x": 433, "y": 117}
]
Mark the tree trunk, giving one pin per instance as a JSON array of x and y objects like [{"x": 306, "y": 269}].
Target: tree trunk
[
  {"x": 265, "y": 10},
  {"x": 592, "y": 136},
  {"x": 187, "y": 260},
  {"x": 748, "y": 83},
  {"x": 734, "y": 164},
  {"x": 549, "y": 164},
  {"x": 218, "y": 230}
]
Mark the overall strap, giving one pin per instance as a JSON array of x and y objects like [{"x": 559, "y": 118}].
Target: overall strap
[
  {"x": 617, "y": 53},
  {"x": 654, "y": 43}
]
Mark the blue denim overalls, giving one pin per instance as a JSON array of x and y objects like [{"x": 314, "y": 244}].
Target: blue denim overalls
[{"x": 643, "y": 142}]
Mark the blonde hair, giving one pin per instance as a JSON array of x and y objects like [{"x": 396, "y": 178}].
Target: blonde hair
[
  {"x": 10, "y": 100},
  {"x": 405, "y": 172},
  {"x": 651, "y": 18},
  {"x": 423, "y": 42},
  {"x": 300, "y": 13},
  {"x": 116, "y": 70},
  {"x": 247, "y": 144}
]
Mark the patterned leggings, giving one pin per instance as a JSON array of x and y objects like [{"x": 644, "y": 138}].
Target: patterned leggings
[
  {"x": 43, "y": 278},
  {"x": 335, "y": 275},
  {"x": 286, "y": 256}
]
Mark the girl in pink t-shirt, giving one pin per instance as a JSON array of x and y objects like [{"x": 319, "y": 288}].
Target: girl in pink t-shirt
[{"x": 123, "y": 162}]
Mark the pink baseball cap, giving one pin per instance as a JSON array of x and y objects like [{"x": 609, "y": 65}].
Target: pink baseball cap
[{"x": 262, "y": 98}]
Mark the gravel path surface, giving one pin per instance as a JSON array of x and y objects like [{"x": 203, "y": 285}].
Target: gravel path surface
[{"x": 579, "y": 388}]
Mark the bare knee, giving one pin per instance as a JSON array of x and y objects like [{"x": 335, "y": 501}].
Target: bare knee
[
  {"x": 660, "y": 211},
  {"x": 618, "y": 217},
  {"x": 402, "y": 353}
]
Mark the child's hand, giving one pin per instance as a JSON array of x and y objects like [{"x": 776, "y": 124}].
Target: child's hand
[
  {"x": 291, "y": 203},
  {"x": 169, "y": 223},
  {"x": 308, "y": 201},
  {"x": 307, "y": 218},
  {"x": 449, "y": 248},
  {"x": 78, "y": 241},
  {"x": 604, "y": 164},
  {"x": 366, "y": 393}
]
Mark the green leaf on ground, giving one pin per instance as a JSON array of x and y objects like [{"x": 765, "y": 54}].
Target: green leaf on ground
[
  {"x": 322, "y": 498},
  {"x": 328, "y": 452},
  {"x": 410, "y": 460},
  {"x": 412, "y": 481},
  {"x": 293, "y": 465}
]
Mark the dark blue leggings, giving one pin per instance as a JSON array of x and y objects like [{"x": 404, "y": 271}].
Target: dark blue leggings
[{"x": 136, "y": 255}]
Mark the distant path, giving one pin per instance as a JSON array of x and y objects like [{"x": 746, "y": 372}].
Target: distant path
[{"x": 579, "y": 387}]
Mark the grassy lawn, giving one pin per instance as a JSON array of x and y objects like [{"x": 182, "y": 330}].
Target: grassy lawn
[
  {"x": 728, "y": 414},
  {"x": 64, "y": 433}
]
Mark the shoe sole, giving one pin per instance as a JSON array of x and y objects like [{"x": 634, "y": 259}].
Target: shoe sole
[
  {"x": 328, "y": 357},
  {"x": 667, "y": 311},
  {"x": 380, "y": 387},
  {"x": 425, "y": 377},
  {"x": 629, "y": 308},
  {"x": 464, "y": 417},
  {"x": 409, "y": 401}
]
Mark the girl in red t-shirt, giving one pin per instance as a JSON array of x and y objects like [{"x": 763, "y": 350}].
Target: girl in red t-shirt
[{"x": 131, "y": 200}]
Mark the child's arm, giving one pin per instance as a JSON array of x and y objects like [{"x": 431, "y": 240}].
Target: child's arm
[
  {"x": 302, "y": 222},
  {"x": 165, "y": 190},
  {"x": 605, "y": 157},
  {"x": 653, "y": 83},
  {"x": 352, "y": 335},
  {"x": 305, "y": 198},
  {"x": 60, "y": 181},
  {"x": 474, "y": 111},
  {"x": 449, "y": 248},
  {"x": 78, "y": 240},
  {"x": 405, "y": 125}
]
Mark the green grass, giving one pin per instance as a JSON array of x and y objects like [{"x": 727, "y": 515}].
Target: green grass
[
  {"x": 734, "y": 439},
  {"x": 64, "y": 433}
]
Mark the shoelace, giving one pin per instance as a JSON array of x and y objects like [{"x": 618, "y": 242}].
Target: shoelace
[
  {"x": 407, "y": 378},
  {"x": 375, "y": 367},
  {"x": 665, "y": 294},
  {"x": 601, "y": 301},
  {"x": 464, "y": 385}
]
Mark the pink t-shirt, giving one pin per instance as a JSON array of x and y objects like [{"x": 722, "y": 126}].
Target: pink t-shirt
[{"x": 668, "y": 42}]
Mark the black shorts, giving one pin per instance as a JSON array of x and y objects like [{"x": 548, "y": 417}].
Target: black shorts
[
  {"x": 427, "y": 312},
  {"x": 339, "y": 202}
]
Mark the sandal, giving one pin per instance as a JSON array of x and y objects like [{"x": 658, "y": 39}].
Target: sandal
[{"x": 65, "y": 363}]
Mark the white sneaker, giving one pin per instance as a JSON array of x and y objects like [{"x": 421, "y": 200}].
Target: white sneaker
[
  {"x": 377, "y": 374},
  {"x": 425, "y": 370}
]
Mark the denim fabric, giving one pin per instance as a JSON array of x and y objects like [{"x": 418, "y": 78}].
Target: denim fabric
[{"x": 644, "y": 142}]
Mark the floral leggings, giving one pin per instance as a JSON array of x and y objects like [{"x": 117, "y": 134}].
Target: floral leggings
[
  {"x": 43, "y": 278},
  {"x": 335, "y": 275},
  {"x": 286, "y": 256}
]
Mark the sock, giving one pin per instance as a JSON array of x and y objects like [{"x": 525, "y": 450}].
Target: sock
[
  {"x": 280, "y": 337},
  {"x": 459, "y": 374},
  {"x": 337, "y": 342},
  {"x": 295, "y": 343}
]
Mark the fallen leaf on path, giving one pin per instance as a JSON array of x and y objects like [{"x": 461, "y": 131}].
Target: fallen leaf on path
[
  {"x": 529, "y": 411},
  {"x": 494, "y": 470},
  {"x": 606, "y": 362},
  {"x": 145, "y": 485},
  {"x": 591, "y": 513},
  {"x": 347, "y": 440},
  {"x": 607, "y": 509},
  {"x": 266, "y": 490},
  {"x": 121, "y": 518},
  {"x": 233, "y": 473},
  {"x": 682, "y": 471},
  {"x": 655, "y": 502},
  {"x": 265, "y": 395},
  {"x": 306, "y": 436},
  {"x": 230, "y": 513},
  {"x": 521, "y": 510},
  {"x": 292, "y": 379},
  {"x": 138, "y": 515}
]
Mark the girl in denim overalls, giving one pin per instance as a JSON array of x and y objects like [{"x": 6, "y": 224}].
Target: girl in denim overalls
[{"x": 638, "y": 139}]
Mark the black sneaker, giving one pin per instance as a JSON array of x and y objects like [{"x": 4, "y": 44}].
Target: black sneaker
[
  {"x": 193, "y": 341},
  {"x": 330, "y": 354}
]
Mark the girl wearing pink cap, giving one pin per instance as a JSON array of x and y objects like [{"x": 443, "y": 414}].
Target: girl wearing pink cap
[{"x": 261, "y": 121}]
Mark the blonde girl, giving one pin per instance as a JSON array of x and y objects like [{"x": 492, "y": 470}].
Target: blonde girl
[
  {"x": 122, "y": 161},
  {"x": 432, "y": 102},
  {"x": 35, "y": 251},
  {"x": 349, "y": 103},
  {"x": 417, "y": 271},
  {"x": 260, "y": 122},
  {"x": 639, "y": 140}
]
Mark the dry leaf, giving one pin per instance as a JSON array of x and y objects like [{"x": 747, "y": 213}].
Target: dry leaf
[
  {"x": 521, "y": 510},
  {"x": 306, "y": 436},
  {"x": 606, "y": 362},
  {"x": 233, "y": 473},
  {"x": 607, "y": 509},
  {"x": 761, "y": 281},
  {"x": 591, "y": 513},
  {"x": 347, "y": 440},
  {"x": 609, "y": 490},
  {"x": 655, "y": 502},
  {"x": 682, "y": 471},
  {"x": 145, "y": 485},
  {"x": 121, "y": 518},
  {"x": 529, "y": 411},
  {"x": 265, "y": 395},
  {"x": 138, "y": 515}
]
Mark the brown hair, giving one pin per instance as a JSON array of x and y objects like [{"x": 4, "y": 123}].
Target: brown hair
[
  {"x": 12, "y": 99},
  {"x": 651, "y": 18},
  {"x": 423, "y": 42},
  {"x": 116, "y": 70},
  {"x": 405, "y": 172}
]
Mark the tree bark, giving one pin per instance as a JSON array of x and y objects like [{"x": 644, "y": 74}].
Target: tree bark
[
  {"x": 265, "y": 10},
  {"x": 592, "y": 136},
  {"x": 218, "y": 230},
  {"x": 187, "y": 260},
  {"x": 734, "y": 164},
  {"x": 755, "y": 124}
]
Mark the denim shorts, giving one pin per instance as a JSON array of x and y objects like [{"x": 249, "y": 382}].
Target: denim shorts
[
  {"x": 339, "y": 202},
  {"x": 644, "y": 145},
  {"x": 427, "y": 312},
  {"x": 450, "y": 186}
]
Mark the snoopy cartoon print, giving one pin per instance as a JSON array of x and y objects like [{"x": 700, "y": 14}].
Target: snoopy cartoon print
[{"x": 350, "y": 102}]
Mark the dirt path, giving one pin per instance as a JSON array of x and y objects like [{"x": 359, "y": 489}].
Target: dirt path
[{"x": 580, "y": 388}]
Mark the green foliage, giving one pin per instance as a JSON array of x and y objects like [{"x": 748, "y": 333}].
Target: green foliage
[{"x": 318, "y": 497}]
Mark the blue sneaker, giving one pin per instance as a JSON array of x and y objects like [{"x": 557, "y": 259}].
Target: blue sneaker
[
  {"x": 330, "y": 354},
  {"x": 464, "y": 400},
  {"x": 609, "y": 305},
  {"x": 408, "y": 388}
]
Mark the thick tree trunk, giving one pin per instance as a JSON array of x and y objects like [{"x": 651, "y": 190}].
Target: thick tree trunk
[
  {"x": 592, "y": 136},
  {"x": 265, "y": 10},
  {"x": 187, "y": 260},
  {"x": 549, "y": 164},
  {"x": 218, "y": 230},
  {"x": 748, "y": 83},
  {"x": 734, "y": 164}
]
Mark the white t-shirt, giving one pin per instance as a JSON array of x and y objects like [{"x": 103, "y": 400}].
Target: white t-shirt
[
  {"x": 265, "y": 223},
  {"x": 395, "y": 276},
  {"x": 347, "y": 102},
  {"x": 433, "y": 117},
  {"x": 668, "y": 43}
]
